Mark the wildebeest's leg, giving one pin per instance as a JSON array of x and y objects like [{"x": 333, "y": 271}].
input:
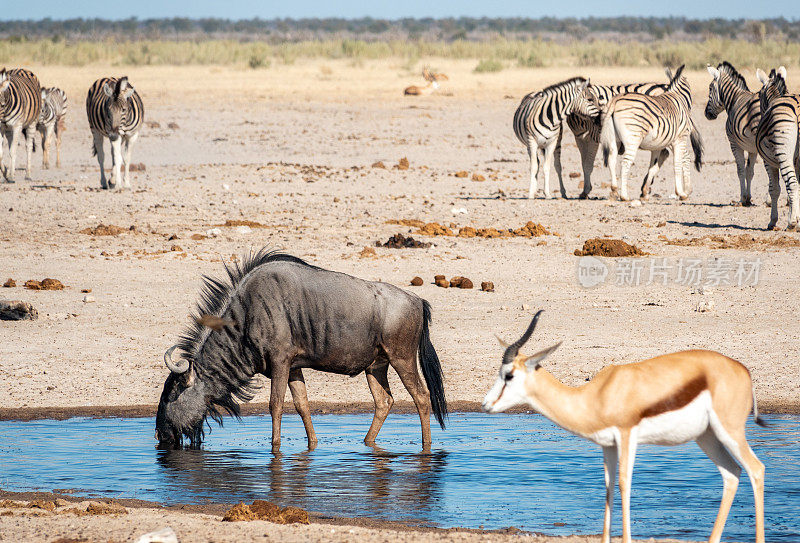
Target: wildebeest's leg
[
  {"x": 379, "y": 386},
  {"x": 297, "y": 386},
  {"x": 406, "y": 368},
  {"x": 279, "y": 381}
]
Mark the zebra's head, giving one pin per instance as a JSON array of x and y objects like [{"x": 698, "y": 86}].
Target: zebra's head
[
  {"x": 774, "y": 86},
  {"x": 585, "y": 102},
  {"x": 118, "y": 105},
  {"x": 715, "y": 105},
  {"x": 5, "y": 81}
]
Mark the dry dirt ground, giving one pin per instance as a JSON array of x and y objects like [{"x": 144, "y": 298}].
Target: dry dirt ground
[{"x": 292, "y": 148}]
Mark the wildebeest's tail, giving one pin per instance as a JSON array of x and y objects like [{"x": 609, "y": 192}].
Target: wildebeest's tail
[
  {"x": 431, "y": 368},
  {"x": 697, "y": 147}
]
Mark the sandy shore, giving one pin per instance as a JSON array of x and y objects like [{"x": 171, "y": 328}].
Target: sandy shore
[{"x": 292, "y": 149}]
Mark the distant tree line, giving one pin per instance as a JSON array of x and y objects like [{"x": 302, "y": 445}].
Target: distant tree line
[{"x": 368, "y": 29}]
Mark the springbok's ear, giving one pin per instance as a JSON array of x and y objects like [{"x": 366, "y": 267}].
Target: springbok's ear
[
  {"x": 503, "y": 343},
  {"x": 782, "y": 72},
  {"x": 532, "y": 362},
  {"x": 108, "y": 90},
  {"x": 761, "y": 76},
  {"x": 713, "y": 72}
]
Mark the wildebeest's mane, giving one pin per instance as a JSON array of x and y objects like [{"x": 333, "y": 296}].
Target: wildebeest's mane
[
  {"x": 737, "y": 78},
  {"x": 232, "y": 384}
]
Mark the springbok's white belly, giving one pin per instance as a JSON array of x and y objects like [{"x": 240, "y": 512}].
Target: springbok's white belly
[{"x": 669, "y": 428}]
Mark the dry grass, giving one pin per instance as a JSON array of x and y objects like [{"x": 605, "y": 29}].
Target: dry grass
[{"x": 523, "y": 53}]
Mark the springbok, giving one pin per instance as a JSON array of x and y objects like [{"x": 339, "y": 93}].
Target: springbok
[
  {"x": 433, "y": 84},
  {"x": 667, "y": 400}
]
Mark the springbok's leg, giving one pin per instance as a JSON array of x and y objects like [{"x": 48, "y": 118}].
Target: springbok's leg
[
  {"x": 627, "y": 455},
  {"x": 588, "y": 150},
  {"x": 549, "y": 152},
  {"x": 557, "y": 164},
  {"x": 297, "y": 386},
  {"x": 610, "y": 459},
  {"x": 379, "y": 386},
  {"x": 533, "y": 155},
  {"x": 730, "y": 471},
  {"x": 279, "y": 381},
  {"x": 97, "y": 139},
  {"x": 406, "y": 368},
  {"x": 774, "y": 194},
  {"x": 755, "y": 470}
]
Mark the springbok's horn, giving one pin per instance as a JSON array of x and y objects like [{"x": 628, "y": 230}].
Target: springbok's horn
[
  {"x": 513, "y": 349},
  {"x": 180, "y": 367}
]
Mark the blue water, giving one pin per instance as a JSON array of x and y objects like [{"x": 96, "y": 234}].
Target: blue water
[{"x": 488, "y": 471}]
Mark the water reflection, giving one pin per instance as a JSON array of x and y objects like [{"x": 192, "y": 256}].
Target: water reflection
[{"x": 371, "y": 481}]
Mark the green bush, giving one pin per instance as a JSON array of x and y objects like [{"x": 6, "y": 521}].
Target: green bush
[{"x": 488, "y": 66}]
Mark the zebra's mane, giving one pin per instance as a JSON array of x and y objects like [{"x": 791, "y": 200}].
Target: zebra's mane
[
  {"x": 738, "y": 80},
  {"x": 231, "y": 382},
  {"x": 552, "y": 89},
  {"x": 676, "y": 79}
]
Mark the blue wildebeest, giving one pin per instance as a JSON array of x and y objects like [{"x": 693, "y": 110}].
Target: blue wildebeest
[{"x": 276, "y": 315}]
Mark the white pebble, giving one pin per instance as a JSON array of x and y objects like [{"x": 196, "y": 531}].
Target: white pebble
[{"x": 88, "y": 299}]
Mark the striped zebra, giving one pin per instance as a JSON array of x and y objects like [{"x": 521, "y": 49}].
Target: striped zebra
[
  {"x": 116, "y": 112},
  {"x": 587, "y": 129},
  {"x": 728, "y": 92},
  {"x": 778, "y": 142},
  {"x": 20, "y": 104},
  {"x": 653, "y": 123},
  {"x": 51, "y": 122},
  {"x": 538, "y": 125}
]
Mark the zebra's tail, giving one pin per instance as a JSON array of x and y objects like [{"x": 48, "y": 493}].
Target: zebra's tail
[
  {"x": 697, "y": 147},
  {"x": 608, "y": 135}
]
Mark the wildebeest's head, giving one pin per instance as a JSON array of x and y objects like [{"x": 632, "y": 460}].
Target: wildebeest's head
[
  {"x": 182, "y": 409},
  {"x": 118, "y": 106}
]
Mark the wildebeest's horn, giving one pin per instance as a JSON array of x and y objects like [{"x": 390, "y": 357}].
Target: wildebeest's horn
[
  {"x": 513, "y": 349},
  {"x": 180, "y": 367}
]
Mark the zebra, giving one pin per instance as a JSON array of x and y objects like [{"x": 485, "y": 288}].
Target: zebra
[
  {"x": 653, "y": 123},
  {"x": 728, "y": 92},
  {"x": 20, "y": 105},
  {"x": 587, "y": 129},
  {"x": 538, "y": 125},
  {"x": 51, "y": 121},
  {"x": 778, "y": 142},
  {"x": 115, "y": 111}
]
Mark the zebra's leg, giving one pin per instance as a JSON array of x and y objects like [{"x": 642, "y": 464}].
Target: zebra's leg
[
  {"x": 774, "y": 194},
  {"x": 116, "y": 160},
  {"x": 58, "y": 145},
  {"x": 625, "y": 169},
  {"x": 30, "y": 139},
  {"x": 533, "y": 154},
  {"x": 4, "y": 135},
  {"x": 738, "y": 156},
  {"x": 687, "y": 169},
  {"x": 749, "y": 172},
  {"x": 612, "y": 167},
  {"x": 97, "y": 141},
  {"x": 13, "y": 137},
  {"x": 678, "y": 155},
  {"x": 588, "y": 150},
  {"x": 129, "y": 141},
  {"x": 789, "y": 176},
  {"x": 549, "y": 153},
  {"x": 46, "y": 132},
  {"x": 557, "y": 163},
  {"x": 656, "y": 161}
]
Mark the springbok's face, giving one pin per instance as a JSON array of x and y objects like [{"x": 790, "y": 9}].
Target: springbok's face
[
  {"x": 509, "y": 388},
  {"x": 715, "y": 105}
]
